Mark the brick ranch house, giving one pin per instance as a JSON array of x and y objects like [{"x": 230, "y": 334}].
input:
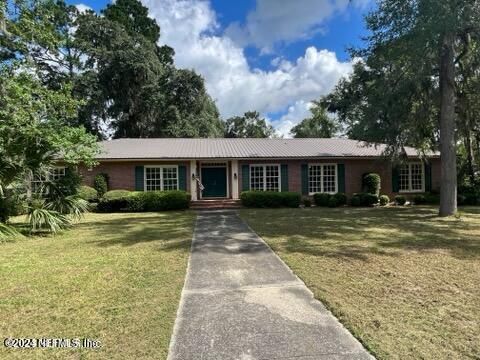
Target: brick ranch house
[{"x": 223, "y": 168}]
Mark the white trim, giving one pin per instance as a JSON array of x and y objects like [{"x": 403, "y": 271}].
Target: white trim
[
  {"x": 265, "y": 175},
  {"x": 161, "y": 175},
  {"x": 321, "y": 177},
  {"x": 193, "y": 181},
  {"x": 410, "y": 191},
  {"x": 215, "y": 164},
  {"x": 235, "y": 183}
]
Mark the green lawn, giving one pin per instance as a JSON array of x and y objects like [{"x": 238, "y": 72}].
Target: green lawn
[
  {"x": 116, "y": 278},
  {"x": 405, "y": 282}
]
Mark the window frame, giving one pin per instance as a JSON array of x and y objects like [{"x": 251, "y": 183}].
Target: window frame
[
  {"x": 264, "y": 166},
  {"x": 321, "y": 178},
  {"x": 410, "y": 190},
  {"x": 49, "y": 176},
  {"x": 161, "y": 167}
]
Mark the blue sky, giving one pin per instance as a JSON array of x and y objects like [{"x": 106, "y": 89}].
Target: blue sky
[{"x": 273, "y": 56}]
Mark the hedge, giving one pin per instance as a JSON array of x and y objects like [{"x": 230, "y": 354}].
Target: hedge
[
  {"x": 123, "y": 200},
  {"x": 270, "y": 199},
  {"x": 158, "y": 201},
  {"x": 325, "y": 199},
  {"x": 88, "y": 193},
  {"x": 364, "y": 199}
]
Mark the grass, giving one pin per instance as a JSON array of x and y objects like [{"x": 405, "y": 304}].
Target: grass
[
  {"x": 116, "y": 278},
  {"x": 405, "y": 282}
]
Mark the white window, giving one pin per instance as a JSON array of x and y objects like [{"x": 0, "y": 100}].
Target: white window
[
  {"x": 265, "y": 177},
  {"x": 411, "y": 177},
  {"x": 322, "y": 178},
  {"x": 52, "y": 174},
  {"x": 161, "y": 178}
]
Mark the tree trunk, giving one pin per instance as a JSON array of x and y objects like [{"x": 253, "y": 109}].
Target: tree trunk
[{"x": 448, "y": 193}]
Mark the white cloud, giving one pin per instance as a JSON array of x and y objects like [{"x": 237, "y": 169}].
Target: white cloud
[
  {"x": 82, "y": 8},
  {"x": 191, "y": 28},
  {"x": 295, "y": 114},
  {"x": 275, "y": 21}
]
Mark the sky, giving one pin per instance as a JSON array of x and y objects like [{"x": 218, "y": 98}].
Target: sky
[{"x": 272, "y": 56}]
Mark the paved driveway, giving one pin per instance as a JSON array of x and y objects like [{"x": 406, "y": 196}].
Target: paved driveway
[{"x": 240, "y": 301}]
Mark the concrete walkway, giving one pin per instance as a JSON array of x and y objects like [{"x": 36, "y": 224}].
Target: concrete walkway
[{"x": 240, "y": 301}]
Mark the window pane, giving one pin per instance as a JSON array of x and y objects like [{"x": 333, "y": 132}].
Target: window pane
[
  {"x": 57, "y": 173},
  {"x": 256, "y": 178},
  {"x": 170, "y": 178},
  {"x": 153, "y": 179},
  {"x": 329, "y": 178},
  {"x": 315, "y": 179},
  {"x": 272, "y": 178},
  {"x": 417, "y": 175},
  {"x": 404, "y": 178}
]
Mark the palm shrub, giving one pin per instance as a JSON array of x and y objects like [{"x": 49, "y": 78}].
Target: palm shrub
[
  {"x": 41, "y": 218},
  {"x": 7, "y": 232}
]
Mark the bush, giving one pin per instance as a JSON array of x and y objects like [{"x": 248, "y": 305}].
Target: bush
[
  {"x": 158, "y": 201},
  {"x": 384, "y": 200},
  {"x": 364, "y": 199},
  {"x": 369, "y": 199},
  {"x": 470, "y": 198},
  {"x": 432, "y": 199},
  {"x": 332, "y": 202},
  {"x": 269, "y": 199},
  {"x": 114, "y": 201},
  {"x": 123, "y": 200},
  {"x": 5, "y": 210},
  {"x": 341, "y": 199},
  {"x": 87, "y": 193},
  {"x": 400, "y": 200},
  {"x": 322, "y": 199},
  {"x": 371, "y": 183},
  {"x": 307, "y": 202},
  {"x": 116, "y": 194},
  {"x": 70, "y": 183},
  {"x": 419, "y": 199},
  {"x": 100, "y": 183},
  {"x": 355, "y": 200}
]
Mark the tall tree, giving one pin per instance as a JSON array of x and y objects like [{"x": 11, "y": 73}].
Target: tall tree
[
  {"x": 133, "y": 82},
  {"x": 250, "y": 125},
  {"x": 319, "y": 125},
  {"x": 411, "y": 60}
]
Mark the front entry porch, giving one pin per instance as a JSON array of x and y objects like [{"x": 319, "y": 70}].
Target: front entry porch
[{"x": 214, "y": 180}]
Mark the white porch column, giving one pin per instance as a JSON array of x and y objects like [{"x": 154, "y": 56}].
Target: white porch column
[
  {"x": 193, "y": 182},
  {"x": 234, "y": 176}
]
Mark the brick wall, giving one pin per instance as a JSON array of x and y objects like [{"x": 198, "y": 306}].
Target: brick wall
[
  {"x": 354, "y": 170},
  {"x": 122, "y": 173}
]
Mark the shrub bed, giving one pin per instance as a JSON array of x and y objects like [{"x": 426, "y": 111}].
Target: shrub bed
[
  {"x": 364, "y": 199},
  {"x": 123, "y": 200},
  {"x": 158, "y": 201},
  {"x": 323, "y": 199},
  {"x": 270, "y": 199}
]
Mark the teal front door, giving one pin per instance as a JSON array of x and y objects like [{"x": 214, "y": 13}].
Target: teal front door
[{"x": 214, "y": 179}]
